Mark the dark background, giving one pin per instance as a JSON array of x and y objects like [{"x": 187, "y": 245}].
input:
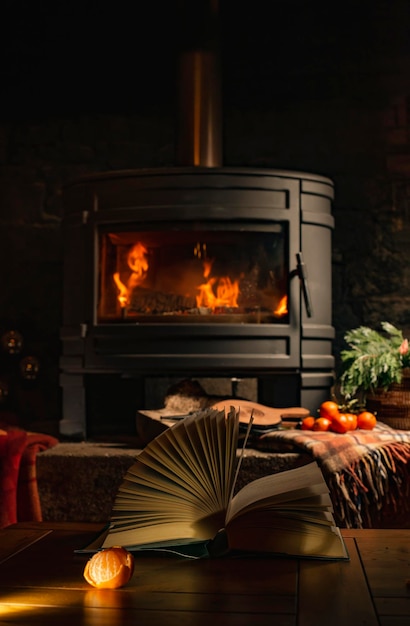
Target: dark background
[{"x": 75, "y": 57}]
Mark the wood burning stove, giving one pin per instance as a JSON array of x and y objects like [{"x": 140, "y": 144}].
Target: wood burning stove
[{"x": 197, "y": 272}]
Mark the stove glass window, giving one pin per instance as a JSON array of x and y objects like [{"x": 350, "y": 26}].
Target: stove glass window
[{"x": 191, "y": 275}]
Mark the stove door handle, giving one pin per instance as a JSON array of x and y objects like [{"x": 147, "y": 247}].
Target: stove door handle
[{"x": 301, "y": 272}]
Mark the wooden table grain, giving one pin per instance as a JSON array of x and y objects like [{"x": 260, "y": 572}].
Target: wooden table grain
[{"x": 41, "y": 583}]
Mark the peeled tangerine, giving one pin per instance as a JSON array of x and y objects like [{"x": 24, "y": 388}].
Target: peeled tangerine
[{"x": 110, "y": 568}]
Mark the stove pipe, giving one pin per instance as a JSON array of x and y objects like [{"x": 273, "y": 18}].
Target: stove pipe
[{"x": 199, "y": 101}]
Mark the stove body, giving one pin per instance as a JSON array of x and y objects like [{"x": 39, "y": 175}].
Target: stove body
[{"x": 190, "y": 272}]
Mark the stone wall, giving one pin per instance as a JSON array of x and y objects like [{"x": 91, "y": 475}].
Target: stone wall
[{"x": 333, "y": 101}]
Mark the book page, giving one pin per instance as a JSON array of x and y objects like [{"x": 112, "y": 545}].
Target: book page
[
  {"x": 179, "y": 486},
  {"x": 134, "y": 537},
  {"x": 268, "y": 532},
  {"x": 288, "y": 513},
  {"x": 301, "y": 482},
  {"x": 239, "y": 463},
  {"x": 214, "y": 444}
]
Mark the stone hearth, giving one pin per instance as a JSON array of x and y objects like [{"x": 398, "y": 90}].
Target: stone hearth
[{"x": 79, "y": 481}]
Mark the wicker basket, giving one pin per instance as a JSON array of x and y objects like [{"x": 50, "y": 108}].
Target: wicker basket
[{"x": 392, "y": 406}]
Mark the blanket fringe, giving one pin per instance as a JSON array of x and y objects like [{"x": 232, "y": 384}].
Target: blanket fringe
[{"x": 361, "y": 491}]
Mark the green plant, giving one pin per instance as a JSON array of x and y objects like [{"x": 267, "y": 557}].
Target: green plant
[{"x": 374, "y": 359}]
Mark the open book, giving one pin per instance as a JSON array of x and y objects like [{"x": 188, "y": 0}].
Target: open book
[{"x": 179, "y": 494}]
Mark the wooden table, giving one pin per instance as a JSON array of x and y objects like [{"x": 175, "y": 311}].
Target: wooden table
[{"x": 41, "y": 582}]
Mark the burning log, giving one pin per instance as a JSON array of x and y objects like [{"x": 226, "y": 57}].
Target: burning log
[{"x": 147, "y": 301}]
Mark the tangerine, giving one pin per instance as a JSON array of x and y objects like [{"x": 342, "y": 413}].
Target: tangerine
[
  {"x": 322, "y": 424},
  {"x": 110, "y": 568},
  {"x": 307, "y": 423},
  {"x": 340, "y": 423},
  {"x": 366, "y": 420},
  {"x": 329, "y": 409},
  {"x": 352, "y": 420}
]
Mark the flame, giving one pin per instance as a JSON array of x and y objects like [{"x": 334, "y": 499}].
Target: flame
[
  {"x": 217, "y": 292},
  {"x": 227, "y": 292},
  {"x": 207, "y": 265},
  {"x": 123, "y": 296},
  {"x": 138, "y": 263},
  {"x": 282, "y": 308}
]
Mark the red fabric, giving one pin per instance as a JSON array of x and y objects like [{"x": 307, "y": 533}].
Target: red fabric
[{"x": 19, "y": 497}]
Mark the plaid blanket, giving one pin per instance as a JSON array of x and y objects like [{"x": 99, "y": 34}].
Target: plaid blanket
[{"x": 367, "y": 472}]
